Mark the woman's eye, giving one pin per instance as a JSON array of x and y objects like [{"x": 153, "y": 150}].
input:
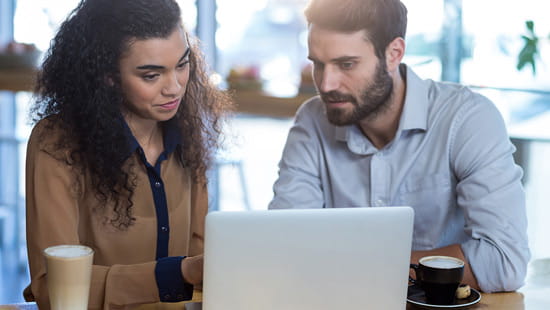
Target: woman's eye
[
  {"x": 183, "y": 64},
  {"x": 150, "y": 77}
]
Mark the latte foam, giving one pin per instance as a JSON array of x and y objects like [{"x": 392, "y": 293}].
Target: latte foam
[
  {"x": 442, "y": 263},
  {"x": 68, "y": 251}
]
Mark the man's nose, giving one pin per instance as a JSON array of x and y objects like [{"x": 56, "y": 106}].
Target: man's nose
[{"x": 330, "y": 80}]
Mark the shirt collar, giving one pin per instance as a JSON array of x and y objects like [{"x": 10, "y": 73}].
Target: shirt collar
[
  {"x": 415, "y": 109},
  {"x": 171, "y": 136},
  {"x": 414, "y": 115}
]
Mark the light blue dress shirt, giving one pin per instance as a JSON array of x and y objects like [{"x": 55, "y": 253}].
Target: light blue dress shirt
[{"x": 451, "y": 161}]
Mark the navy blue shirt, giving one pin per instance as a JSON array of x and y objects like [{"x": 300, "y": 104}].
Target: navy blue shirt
[{"x": 168, "y": 274}]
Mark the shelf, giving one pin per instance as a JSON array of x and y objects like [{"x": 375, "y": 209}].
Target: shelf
[
  {"x": 19, "y": 79},
  {"x": 256, "y": 102},
  {"x": 247, "y": 101}
]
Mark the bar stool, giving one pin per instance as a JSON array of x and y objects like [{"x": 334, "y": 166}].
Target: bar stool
[{"x": 214, "y": 182}]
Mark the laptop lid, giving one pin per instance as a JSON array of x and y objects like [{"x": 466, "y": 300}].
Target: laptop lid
[{"x": 337, "y": 258}]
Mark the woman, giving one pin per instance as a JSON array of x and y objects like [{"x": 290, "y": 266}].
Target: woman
[{"x": 127, "y": 121}]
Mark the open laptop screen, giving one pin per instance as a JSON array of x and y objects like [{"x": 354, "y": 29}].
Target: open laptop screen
[{"x": 341, "y": 258}]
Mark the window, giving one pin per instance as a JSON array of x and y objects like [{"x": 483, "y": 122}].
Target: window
[
  {"x": 46, "y": 16},
  {"x": 423, "y": 36},
  {"x": 269, "y": 37},
  {"x": 494, "y": 42}
]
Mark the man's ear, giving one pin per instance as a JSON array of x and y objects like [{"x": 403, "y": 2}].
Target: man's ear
[{"x": 394, "y": 53}]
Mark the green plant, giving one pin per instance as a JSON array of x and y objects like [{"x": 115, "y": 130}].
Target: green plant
[{"x": 530, "y": 51}]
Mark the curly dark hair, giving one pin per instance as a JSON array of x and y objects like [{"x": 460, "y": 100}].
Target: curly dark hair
[{"x": 72, "y": 87}]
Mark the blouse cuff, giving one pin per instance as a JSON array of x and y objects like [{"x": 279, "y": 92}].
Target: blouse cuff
[{"x": 170, "y": 282}]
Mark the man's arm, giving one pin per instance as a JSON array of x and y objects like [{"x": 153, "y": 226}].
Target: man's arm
[
  {"x": 299, "y": 182},
  {"x": 490, "y": 193}
]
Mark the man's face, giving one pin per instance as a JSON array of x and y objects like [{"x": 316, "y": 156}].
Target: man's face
[{"x": 353, "y": 83}]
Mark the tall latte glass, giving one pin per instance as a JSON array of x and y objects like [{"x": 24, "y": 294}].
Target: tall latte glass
[{"x": 69, "y": 272}]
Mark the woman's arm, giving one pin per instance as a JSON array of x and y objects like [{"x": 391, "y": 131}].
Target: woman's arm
[{"x": 54, "y": 216}]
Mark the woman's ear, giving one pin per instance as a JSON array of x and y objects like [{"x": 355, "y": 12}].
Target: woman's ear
[
  {"x": 394, "y": 53},
  {"x": 109, "y": 81}
]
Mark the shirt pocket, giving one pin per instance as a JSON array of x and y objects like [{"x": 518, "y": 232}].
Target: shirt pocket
[{"x": 431, "y": 198}]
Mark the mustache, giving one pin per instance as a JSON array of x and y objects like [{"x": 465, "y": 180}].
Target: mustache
[{"x": 336, "y": 96}]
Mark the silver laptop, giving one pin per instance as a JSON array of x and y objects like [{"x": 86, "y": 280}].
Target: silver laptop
[{"x": 341, "y": 258}]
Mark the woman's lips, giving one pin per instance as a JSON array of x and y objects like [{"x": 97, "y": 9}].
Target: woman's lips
[{"x": 170, "y": 105}]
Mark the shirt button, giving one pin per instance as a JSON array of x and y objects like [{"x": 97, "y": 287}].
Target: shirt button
[
  {"x": 157, "y": 184},
  {"x": 164, "y": 229},
  {"x": 167, "y": 296},
  {"x": 180, "y": 296}
]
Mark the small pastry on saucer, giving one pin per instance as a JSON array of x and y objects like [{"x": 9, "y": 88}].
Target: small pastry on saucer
[{"x": 463, "y": 291}]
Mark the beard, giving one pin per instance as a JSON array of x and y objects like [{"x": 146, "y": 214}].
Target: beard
[{"x": 374, "y": 98}]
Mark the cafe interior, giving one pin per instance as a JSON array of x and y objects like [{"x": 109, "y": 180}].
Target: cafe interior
[{"x": 257, "y": 49}]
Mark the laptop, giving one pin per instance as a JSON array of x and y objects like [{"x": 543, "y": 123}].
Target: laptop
[{"x": 301, "y": 259}]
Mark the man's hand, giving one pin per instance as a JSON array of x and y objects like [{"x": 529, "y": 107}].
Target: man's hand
[{"x": 191, "y": 268}]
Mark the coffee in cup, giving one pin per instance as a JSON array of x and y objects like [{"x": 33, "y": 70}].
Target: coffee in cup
[
  {"x": 439, "y": 277},
  {"x": 69, "y": 271}
]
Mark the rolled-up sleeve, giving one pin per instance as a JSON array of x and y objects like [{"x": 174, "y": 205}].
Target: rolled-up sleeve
[{"x": 490, "y": 192}]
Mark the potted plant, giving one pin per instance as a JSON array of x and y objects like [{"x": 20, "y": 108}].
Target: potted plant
[{"x": 530, "y": 51}]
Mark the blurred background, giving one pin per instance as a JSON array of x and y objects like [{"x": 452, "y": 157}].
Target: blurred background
[{"x": 257, "y": 48}]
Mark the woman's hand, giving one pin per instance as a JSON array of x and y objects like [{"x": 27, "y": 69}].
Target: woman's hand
[{"x": 191, "y": 268}]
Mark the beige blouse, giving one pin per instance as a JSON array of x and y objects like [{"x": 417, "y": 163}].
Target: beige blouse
[{"x": 123, "y": 274}]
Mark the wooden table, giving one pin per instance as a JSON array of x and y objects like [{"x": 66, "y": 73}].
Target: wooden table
[
  {"x": 534, "y": 296},
  {"x": 504, "y": 301},
  {"x": 197, "y": 297}
]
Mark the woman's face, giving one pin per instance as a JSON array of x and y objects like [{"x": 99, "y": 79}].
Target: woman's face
[{"x": 154, "y": 75}]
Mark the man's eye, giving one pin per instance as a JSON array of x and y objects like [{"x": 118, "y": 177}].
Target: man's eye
[{"x": 346, "y": 65}]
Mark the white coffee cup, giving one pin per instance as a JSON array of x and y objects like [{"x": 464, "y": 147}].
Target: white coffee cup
[{"x": 69, "y": 273}]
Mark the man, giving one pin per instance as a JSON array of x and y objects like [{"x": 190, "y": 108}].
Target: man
[{"x": 378, "y": 136}]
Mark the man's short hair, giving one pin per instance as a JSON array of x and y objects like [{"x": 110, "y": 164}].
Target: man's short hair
[{"x": 383, "y": 20}]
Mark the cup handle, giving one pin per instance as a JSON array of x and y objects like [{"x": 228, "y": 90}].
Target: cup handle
[{"x": 415, "y": 267}]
